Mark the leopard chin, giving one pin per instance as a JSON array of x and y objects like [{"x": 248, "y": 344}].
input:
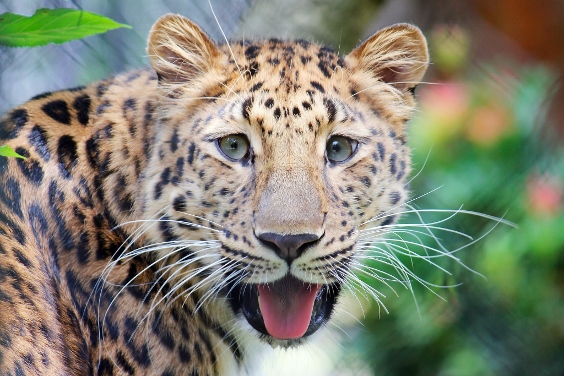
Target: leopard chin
[{"x": 284, "y": 312}]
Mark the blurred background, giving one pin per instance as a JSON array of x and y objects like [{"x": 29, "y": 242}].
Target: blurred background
[{"x": 487, "y": 138}]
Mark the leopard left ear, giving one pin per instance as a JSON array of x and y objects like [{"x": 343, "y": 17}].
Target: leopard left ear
[
  {"x": 396, "y": 55},
  {"x": 180, "y": 50}
]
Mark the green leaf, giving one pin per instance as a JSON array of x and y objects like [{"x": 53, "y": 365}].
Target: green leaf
[
  {"x": 6, "y": 151},
  {"x": 52, "y": 26}
]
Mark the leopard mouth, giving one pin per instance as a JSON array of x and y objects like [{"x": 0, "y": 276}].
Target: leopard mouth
[{"x": 288, "y": 309}]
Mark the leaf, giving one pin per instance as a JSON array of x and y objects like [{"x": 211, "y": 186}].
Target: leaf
[
  {"x": 6, "y": 151},
  {"x": 52, "y": 26}
]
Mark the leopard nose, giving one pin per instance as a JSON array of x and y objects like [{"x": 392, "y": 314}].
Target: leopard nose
[{"x": 288, "y": 247}]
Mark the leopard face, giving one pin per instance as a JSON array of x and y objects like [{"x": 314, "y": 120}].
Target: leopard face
[
  {"x": 274, "y": 154},
  {"x": 168, "y": 219}
]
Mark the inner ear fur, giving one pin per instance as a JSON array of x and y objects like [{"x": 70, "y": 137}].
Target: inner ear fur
[
  {"x": 396, "y": 55},
  {"x": 179, "y": 50}
]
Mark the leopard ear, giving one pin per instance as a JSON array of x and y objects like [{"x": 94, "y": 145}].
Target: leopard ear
[
  {"x": 179, "y": 50},
  {"x": 396, "y": 55}
]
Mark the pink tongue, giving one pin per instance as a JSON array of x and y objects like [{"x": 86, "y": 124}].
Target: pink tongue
[{"x": 287, "y": 309}]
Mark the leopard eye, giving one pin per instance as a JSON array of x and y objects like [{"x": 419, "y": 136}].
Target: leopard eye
[
  {"x": 340, "y": 148},
  {"x": 234, "y": 146}
]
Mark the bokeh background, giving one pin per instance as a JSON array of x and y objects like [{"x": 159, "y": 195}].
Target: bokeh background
[{"x": 487, "y": 138}]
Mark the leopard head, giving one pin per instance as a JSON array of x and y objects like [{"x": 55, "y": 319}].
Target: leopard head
[{"x": 269, "y": 158}]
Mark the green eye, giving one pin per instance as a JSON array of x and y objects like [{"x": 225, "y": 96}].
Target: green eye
[
  {"x": 340, "y": 148},
  {"x": 234, "y": 146}
]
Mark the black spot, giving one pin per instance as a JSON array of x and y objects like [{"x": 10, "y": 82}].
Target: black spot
[
  {"x": 79, "y": 295},
  {"x": 10, "y": 195},
  {"x": 331, "y": 109},
  {"x": 83, "y": 193},
  {"x": 166, "y": 229},
  {"x": 191, "y": 149},
  {"x": 92, "y": 151},
  {"x": 257, "y": 86},
  {"x": 395, "y": 197},
  {"x": 102, "y": 107},
  {"x": 277, "y": 113},
  {"x": 165, "y": 336},
  {"x": 124, "y": 364},
  {"x": 82, "y": 106},
  {"x": 30, "y": 168},
  {"x": 388, "y": 221},
  {"x": 67, "y": 154},
  {"x": 57, "y": 110},
  {"x": 179, "y": 204},
  {"x": 306, "y": 105},
  {"x": 296, "y": 112},
  {"x": 304, "y": 43},
  {"x": 198, "y": 351},
  {"x": 37, "y": 220},
  {"x": 180, "y": 166},
  {"x": 366, "y": 181},
  {"x": 184, "y": 354},
  {"x": 129, "y": 105},
  {"x": 246, "y": 108},
  {"x": 273, "y": 61},
  {"x": 56, "y": 200},
  {"x": 38, "y": 139},
  {"x": 122, "y": 195},
  {"x": 251, "y": 70},
  {"x": 174, "y": 140},
  {"x": 21, "y": 258},
  {"x": 318, "y": 86},
  {"x": 381, "y": 151},
  {"x": 15, "y": 121},
  {"x": 305, "y": 59},
  {"x": 83, "y": 248},
  {"x": 269, "y": 103},
  {"x": 324, "y": 68},
  {"x": 393, "y": 168},
  {"x": 18, "y": 370},
  {"x": 101, "y": 89},
  {"x": 401, "y": 171},
  {"x": 140, "y": 351},
  {"x": 105, "y": 367},
  {"x": 41, "y": 96},
  {"x": 252, "y": 52}
]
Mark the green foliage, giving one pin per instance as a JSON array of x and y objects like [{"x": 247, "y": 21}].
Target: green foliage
[
  {"x": 52, "y": 26},
  {"x": 479, "y": 138},
  {"x": 6, "y": 151}
]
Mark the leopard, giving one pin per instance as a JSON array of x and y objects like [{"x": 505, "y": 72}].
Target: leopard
[{"x": 167, "y": 220}]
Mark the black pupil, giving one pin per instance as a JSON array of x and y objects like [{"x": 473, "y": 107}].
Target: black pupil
[
  {"x": 336, "y": 146},
  {"x": 234, "y": 144}
]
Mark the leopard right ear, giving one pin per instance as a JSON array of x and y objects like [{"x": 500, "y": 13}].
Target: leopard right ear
[
  {"x": 396, "y": 55},
  {"x": 179, "y": 50}
]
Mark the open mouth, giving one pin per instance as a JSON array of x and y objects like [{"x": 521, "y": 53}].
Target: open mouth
[{"x": 286, "y": 309}]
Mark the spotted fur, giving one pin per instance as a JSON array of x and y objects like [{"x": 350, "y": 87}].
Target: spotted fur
[{"x": 126, "y": 230}]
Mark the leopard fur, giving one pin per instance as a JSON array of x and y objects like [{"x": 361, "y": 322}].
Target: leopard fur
[{"x": 127, "y": 236}]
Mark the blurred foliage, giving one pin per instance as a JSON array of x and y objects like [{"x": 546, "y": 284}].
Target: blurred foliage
[
  {"x": 479, "y": 135},
  {"x": 336, "y": 23}
]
